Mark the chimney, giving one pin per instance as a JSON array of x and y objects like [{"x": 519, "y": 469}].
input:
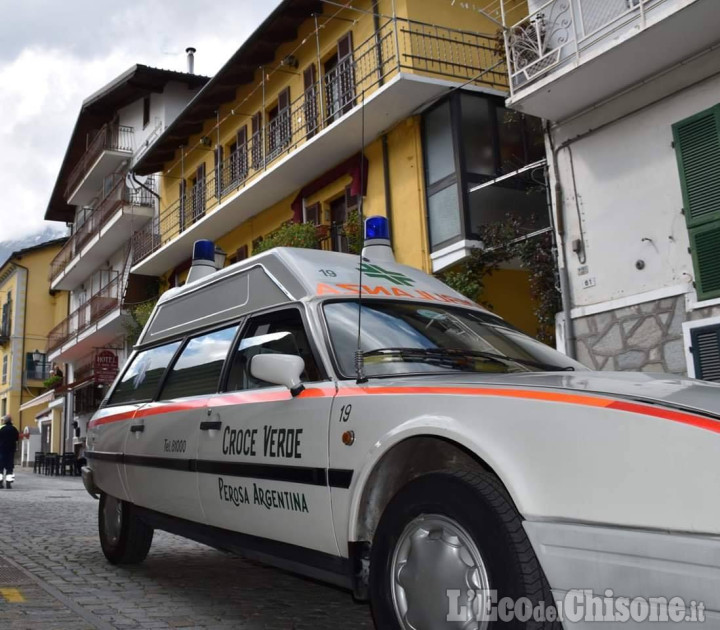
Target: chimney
[{"x": 190, "y": 60}]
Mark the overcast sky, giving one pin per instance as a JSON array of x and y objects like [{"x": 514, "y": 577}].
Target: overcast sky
[{"x": 53, "y": 54}]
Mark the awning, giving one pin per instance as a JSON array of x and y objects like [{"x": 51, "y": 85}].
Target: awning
[
  {"x": 43, "y": 415},
  {"x": 42, "y": 399}
]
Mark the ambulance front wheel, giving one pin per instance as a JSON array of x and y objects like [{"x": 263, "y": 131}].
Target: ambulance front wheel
[
  {"x": 125, "y": 539},
  {"x": 444, "y": 543}
]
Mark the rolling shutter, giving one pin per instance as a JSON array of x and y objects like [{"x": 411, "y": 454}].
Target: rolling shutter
[
  {"x": 706, "y": 352},
  {"x": 697, "y": 146}
]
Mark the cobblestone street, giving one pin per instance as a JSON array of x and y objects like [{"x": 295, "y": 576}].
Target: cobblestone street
[{"x": 53, "y": 576}]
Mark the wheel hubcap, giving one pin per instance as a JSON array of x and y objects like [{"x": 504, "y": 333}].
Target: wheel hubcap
[
  {"x": 435, "y": 555},
  {"x": 112, "y": 519}
]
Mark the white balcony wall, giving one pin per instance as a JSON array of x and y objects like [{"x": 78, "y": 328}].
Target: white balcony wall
[
  {"x": 98, "y": 278},
  {"x": 621, "y": 189}
]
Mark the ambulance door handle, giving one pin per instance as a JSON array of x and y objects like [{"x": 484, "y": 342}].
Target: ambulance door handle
[
  {"x": 208, "y": 425},
  {"x": 137, "y": 428}
]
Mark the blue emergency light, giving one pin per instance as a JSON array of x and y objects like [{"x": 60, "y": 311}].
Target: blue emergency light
[
  {"x": 377, "y": 227},
  {"x": 204, "y": 250}
]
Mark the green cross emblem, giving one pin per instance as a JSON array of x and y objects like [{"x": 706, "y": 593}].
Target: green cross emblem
[{"x": 375, "y": 271}]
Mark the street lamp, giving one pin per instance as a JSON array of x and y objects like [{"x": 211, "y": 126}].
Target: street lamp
[{"x": 37, "y": 356}]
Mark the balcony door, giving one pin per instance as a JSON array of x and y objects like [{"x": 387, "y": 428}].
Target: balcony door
[
  {"x": 198, "y": 193},
  {"x": 338, "y": 217}
]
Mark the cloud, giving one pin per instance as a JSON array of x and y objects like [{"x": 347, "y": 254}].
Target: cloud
[{"x": 55, "y": 54}]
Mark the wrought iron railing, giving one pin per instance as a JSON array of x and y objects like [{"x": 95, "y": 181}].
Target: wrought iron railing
[
  {"x": 560, "y": 31},
  {"x": 397, "y": 46},
  {"x": 120, "y": 196},
  {"x": 110, "y": 138},
  {"x": 99, "y": 305},
  {"x": 39, "y": 371}
]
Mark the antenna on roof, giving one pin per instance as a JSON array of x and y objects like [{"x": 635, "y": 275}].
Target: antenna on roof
[{"x": 359, "y": 358}]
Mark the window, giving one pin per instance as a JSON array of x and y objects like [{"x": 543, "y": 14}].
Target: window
[
  {"x": 3, "y": 406},
  {"x": 697, "y": 146},
  {"x": 37, "y": 370},
  {"x": 281, "y": 332},
  {"x": 239, "y": 157},
  {"x": 141, "y": 379},
  {"x": 5, "y": 369},
  {"x": 468, "y": 141},
  {"x": 182, "y": 189},
  {"x": 218, "y": 155},
  {"x": 705, "y": 342},
  {"x": 340, "y": 79},
  {"x": 6, "y": 317},
  {"x": 146, "y": 111},
  {"x": 197, "y": 369}
]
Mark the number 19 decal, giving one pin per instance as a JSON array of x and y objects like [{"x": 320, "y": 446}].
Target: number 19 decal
[{"x": 345, "y": 412}]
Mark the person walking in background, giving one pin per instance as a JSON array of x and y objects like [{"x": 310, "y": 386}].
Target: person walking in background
[{"x": 8, "y": 443}]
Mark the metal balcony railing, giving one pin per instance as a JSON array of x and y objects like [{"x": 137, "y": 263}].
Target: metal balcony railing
[
  {"x": 110, "y": 138},
  {"x": 560, "y": 31},
  {"x": 39, "y": 372},
  {"x": 119, "y": 196},
  {"x": 399, "y": 45},
  {"x": 100, "y": 304}
]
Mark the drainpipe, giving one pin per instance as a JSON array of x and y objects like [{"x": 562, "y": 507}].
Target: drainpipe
[
  {"x": 560, "y": 246},
  {"x": 22, "y": 352}
]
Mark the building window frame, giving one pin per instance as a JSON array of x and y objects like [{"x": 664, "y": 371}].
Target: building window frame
[{"x": 689, "y": 328}]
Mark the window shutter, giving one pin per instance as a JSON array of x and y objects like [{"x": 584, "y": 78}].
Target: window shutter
[
  {"x": 284, "y": 99},
  {"x": 312, "y": 214},
  {"x": 706, "y": 352},
  {"x": 309, "y": 79},
  {"x": 697, "y": 146},
  {"x": 241, "y": 253},
  {"x": 705, "y": 247}
]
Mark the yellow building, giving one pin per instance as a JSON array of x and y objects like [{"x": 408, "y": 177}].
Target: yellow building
[
  {"x": 398, "y": 102},
  {"x": 29, "y": 312}
]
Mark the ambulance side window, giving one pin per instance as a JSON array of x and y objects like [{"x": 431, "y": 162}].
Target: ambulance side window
[
  {"x": 197, "y": 369},
  {"x": 282, "y": 332},
  {"x": 142, "y": 377}
]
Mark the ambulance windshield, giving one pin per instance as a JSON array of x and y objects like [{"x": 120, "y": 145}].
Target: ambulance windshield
[{"x": 406, "y": 338}]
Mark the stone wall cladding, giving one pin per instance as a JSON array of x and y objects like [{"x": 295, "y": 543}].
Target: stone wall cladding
[{"x": 647, "y": 337}]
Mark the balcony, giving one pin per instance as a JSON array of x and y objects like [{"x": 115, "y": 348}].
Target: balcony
[
  {"x": 112, "y": 145},
  {"x": 94, "y": 324},
  {"x": 568, "y": 55},
  {"x": 37, "y": 371},
  {"x": 105, "y": 229},
  {"x": 403, "y": 66}
]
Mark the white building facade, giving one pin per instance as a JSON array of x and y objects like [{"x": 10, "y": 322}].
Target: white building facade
[
  {"x": 630, "y": 90},
  {"x": 103, "y": 206}
]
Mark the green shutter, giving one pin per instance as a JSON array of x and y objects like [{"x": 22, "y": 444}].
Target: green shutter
[
  {"x": 697, "y": 146},
  {"x": 705, "y": 247}
]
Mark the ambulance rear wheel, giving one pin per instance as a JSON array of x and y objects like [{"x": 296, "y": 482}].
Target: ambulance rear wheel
[
  {"x": 125, "y": 539},
  {"x": 443, "y": 542}
]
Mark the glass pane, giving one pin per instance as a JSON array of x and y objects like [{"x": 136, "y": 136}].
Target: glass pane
[
  {"x": 476, "y": 131},
  {"x": 444, "y": 214},
  {"x": 142, "y": 378},
  {"x": 197, "y": 370},
  {"x": 429, "y": 338},
  {"x": 518, "y": 196},
  {"x": 439, "y": 153},
  {"x": 278, "y": 333},
  {"x": 535, "y": 139},
  {"x": 512, "y": 148}
]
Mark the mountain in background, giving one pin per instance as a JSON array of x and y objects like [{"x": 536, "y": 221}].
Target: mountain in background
[{"x": 8, "y": 247}]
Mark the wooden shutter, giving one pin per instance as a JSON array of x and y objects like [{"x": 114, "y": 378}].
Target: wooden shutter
[
  {"x": 310, "y": 105},
  {"x": 256, "y": 149},
  {"x": 284, "y": 118},
  {"x": 218, "y": 170},
  {"x": 241, "y": 253},
  {"x": 706, "y": 352},
  {"x": 346, "y": 72},
  {"x": 181, "y": 197},
  {"x": 241, "y": 156},
  {"x": 697, "y": 147}
]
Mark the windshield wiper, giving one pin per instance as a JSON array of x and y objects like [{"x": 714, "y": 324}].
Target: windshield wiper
[{"x": 455, "y": 353}]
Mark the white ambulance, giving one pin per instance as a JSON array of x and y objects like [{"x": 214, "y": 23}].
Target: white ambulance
[{"x": 359, "y": 422}]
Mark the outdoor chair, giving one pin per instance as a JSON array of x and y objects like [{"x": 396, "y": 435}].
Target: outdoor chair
[
  {"x": 67, "y": 464},
  {"x": 51, "y": 463},
  {"x": 39, "y": 462}
]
